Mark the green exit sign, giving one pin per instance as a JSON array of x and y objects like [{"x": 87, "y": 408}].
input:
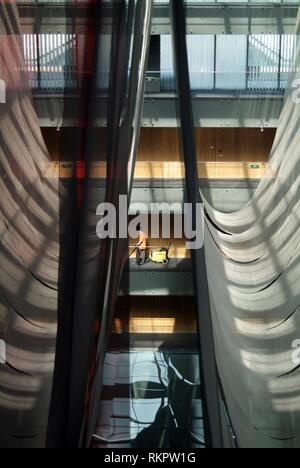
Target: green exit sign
[{"x": 255, "y": 166}]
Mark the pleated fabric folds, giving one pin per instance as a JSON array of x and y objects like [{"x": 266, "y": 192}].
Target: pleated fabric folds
[
  {"x": 29, "y": 251},
  {"x": 253, "y": 263}
]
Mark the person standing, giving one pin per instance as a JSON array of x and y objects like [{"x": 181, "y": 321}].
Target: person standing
[{"x": 141, "y": 248}]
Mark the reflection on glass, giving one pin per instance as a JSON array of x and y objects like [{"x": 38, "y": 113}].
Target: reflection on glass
[{"x": 163, "y": 407}]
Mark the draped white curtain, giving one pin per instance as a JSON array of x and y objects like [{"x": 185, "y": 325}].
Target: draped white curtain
[
  {"x": 253, "y": 263},
  {"x": 29, "y": 252}
]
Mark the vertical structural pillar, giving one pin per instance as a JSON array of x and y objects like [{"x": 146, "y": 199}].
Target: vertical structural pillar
[
  {"x": 123, "y": 153},
  {"x": 141, "y": 47},
  {"x": 209, "y": 374}
]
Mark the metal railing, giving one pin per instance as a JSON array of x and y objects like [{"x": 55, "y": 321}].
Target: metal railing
[
  {"x": 50, "y": 61},
  {"x": 189, "y": 2}
]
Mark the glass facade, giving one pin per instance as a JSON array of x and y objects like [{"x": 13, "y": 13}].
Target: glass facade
[
  {"x": 218, "y": 63},
  {"x": 259, "y": 2},
  {"x": 233, "y": 62},
  {"x": 49, "y": 60},
  {"x": 163, "y": 407}
]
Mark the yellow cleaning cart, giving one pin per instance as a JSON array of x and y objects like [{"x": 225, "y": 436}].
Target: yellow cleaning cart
[{"x": 160, "y": 256}]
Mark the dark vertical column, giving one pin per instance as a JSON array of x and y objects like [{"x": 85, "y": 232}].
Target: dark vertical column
[
  {"x": 211, "y": 397},
  {"x": 123, "y": 151},
  {"x": 99, "y": 261},
  {"x": 74, "y": 151}
]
